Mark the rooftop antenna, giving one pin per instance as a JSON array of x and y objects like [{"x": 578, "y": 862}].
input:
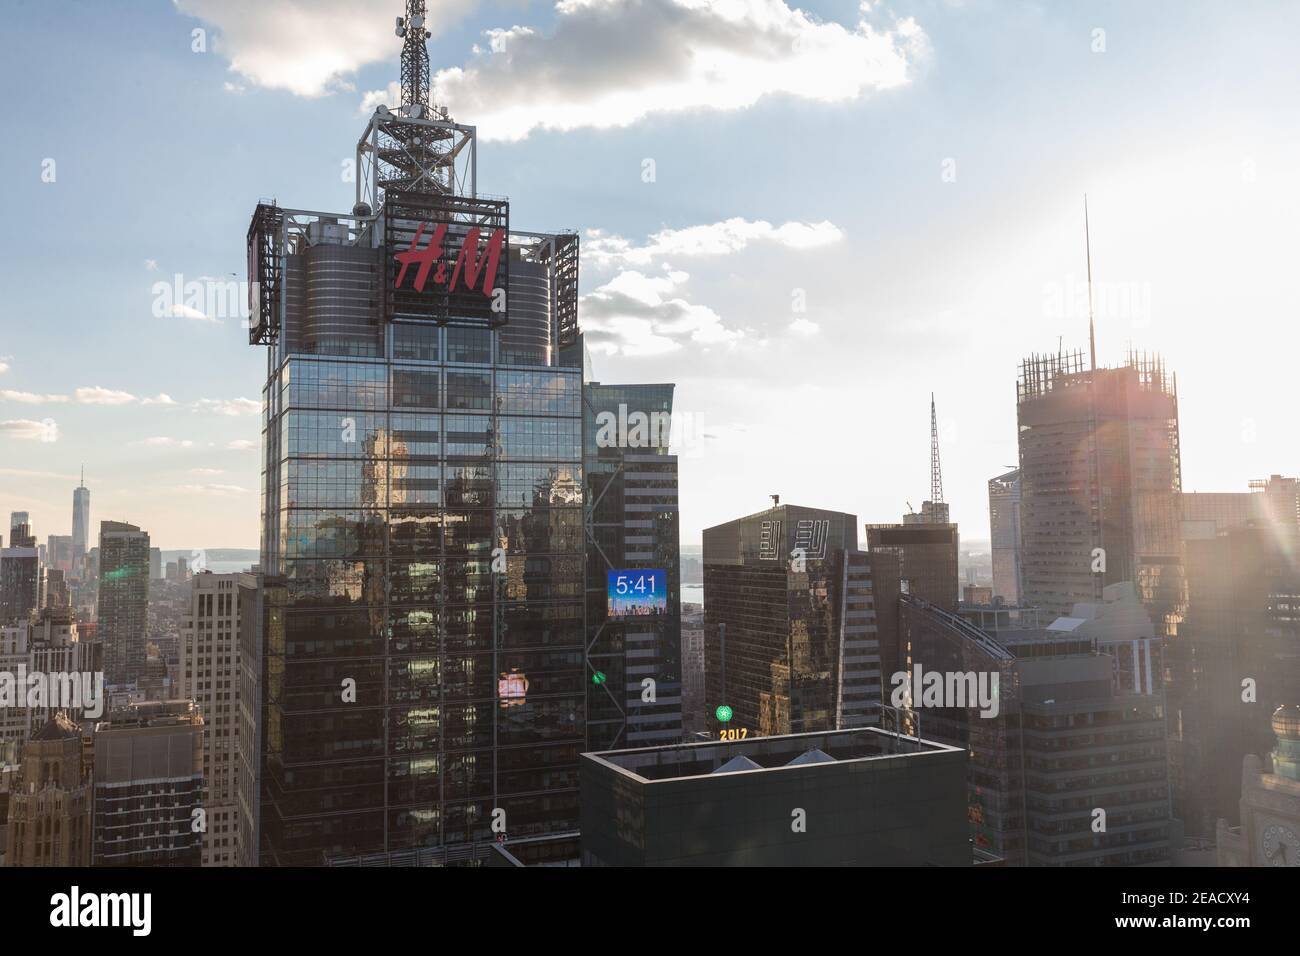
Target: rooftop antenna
[
  {"x": 776, "y": 500},
  {"x": 1087, "y": 243},
  {"x": 936, "y": 476},
  {"x": 415, "y": 60},
  {"x": 83, "y": 474}
]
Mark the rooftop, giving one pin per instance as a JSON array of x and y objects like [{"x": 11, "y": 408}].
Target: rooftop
[{"x": 766, "y": 754}]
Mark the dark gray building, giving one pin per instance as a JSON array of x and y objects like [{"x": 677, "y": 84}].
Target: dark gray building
[
  {"x": 1077, "y": 729},
  {"x": 847, "y": 798},
  {"x": 634, "y": 689},
  {"x": 790, "y": 626}
]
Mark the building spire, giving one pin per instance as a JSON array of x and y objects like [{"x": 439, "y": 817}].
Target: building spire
[
  {"x": 1087, "y": 243},
  {"x": 936, "y": 475}
]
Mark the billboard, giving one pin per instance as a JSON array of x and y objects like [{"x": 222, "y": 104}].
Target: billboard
[
  {"x": 636, "y": 593},
  {"x": 447, "y": 258}
]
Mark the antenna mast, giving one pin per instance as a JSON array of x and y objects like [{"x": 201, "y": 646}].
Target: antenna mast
[
  {"x": 415, "y": 60},
  {"x": 936, "y": 476},
  {"x": 1087, "y": 243}
]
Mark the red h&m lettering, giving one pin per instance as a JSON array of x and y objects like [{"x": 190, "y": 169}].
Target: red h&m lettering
[{"x": 468, "y": 260}]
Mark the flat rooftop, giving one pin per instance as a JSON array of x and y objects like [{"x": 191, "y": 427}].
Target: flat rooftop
[{"x": 764, "y": 754}]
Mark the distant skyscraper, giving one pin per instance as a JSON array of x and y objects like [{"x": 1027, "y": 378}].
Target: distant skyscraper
[
  {"x": 155, "y": 564},
  {"x": 20, "y": 573},
  {"x": 80, "y": 526},
  {"x": 209, "y": 655},
  {"x": 1004, "y": 531},
  {"x": 791, "y": 640},
  {"x": 631, "y": 528},
  {"x": 59, "y": 552},
  {"x": 123, "y": 600}
]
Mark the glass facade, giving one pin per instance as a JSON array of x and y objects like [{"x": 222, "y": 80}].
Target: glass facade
[
  {"x": 634, "y": 689},
  {"x": 423, "y": 510}
]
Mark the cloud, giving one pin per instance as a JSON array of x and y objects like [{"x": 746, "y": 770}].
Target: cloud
[
  {"x": 639, "y": 315},
  {"x": 210, "y": 489},
  {"x": 804, "y": 327},
  {"x": 162, "y": 441},
  {"x": 27, "y": 430},
  {"x": 94, "y": 395},
  {"x": 611, "y": 63},
  {"x": 229, "y": 406},
  {"x": 207, "y": 471},
  {"x": 715, "y": 239},
  {"x": 182, "y": 311},
  {"x": 162, "y": 398},
  {"x": 151, "y": 265},
  {"x": 30, "y": 398},
  {"x": 4, "y": 366},
  {"x": 310, "y": 49},
  {"x": 241, "y": 444}
]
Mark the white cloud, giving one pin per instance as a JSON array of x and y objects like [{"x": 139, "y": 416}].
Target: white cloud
[
  {"x": 162, "y": 398},
  {"x": 309, "y": 49},
  {"x": 804, "y": 327},
  {"x": 211, "y": 489},
  {"x": 229, "y": 406},
  {"x": 94, "y": 395},
  {"x": 28, "y": 430},
  {"x": 162, "y": 441},
  {"x": 241, "y": 444},
  {"x": 30, "y": 398},
  {"x": 182, "y": 311},
  {"x": 151, "y": 265},
  {"x": 639, "y": 315},
  {"x": 4, "y": 366},
  {"x": 714, "y": 239},
  {"x": 207, "y": 471},
  {"x": 610, "y": 63}
]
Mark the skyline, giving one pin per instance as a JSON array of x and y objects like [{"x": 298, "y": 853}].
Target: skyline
[{"x": 912, "y": 283}]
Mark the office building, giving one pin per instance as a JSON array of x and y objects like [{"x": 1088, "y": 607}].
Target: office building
[
  {"x": 59, "y": 552},
  {"x": 148, "y": 785},
  {"x": 847, "y": 798},
  {"x": 20, "y": 577},
  {"x": 1004, "y": 533},
  {"x": 791, "y": 641},
  {"x": 926, "y": 553},
  {"x": 123, "y": 600},
  {"x": 423, "y": 543},
  {"x": 209, "y": 676},
  {"x": 50, "y": 805},
  {"x": 155, "y": 564},
  {"x": 634, "y": 692},
  {"x": 1068, "y": 763}
]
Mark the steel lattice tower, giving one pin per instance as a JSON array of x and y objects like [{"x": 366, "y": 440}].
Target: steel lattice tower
[{"x": 936, "y": 475}]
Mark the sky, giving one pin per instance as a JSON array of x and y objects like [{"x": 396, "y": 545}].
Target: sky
[{"x": 808, "y": 217}]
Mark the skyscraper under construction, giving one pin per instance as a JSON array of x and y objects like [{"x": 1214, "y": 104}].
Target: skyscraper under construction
[
  {"x": 414, "y": 663},
  {"x": 1100, "y": 479}
]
